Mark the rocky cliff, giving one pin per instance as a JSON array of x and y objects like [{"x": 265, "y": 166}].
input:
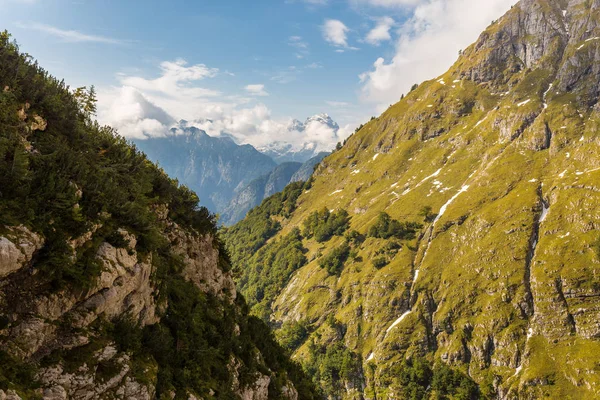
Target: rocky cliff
[
  {"x": 113, "y": 282},
  {"x": 496, "y": 165}
]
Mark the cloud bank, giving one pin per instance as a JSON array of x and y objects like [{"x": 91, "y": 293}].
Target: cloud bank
[
  {"x": 143, "y": 108},
  {"x": 429, "y": 42}
]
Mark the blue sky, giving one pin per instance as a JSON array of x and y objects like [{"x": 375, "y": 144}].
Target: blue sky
[{"x": 259, "y": 62}]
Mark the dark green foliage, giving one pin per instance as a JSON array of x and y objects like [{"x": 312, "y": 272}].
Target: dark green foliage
[
  {"x": 15, "y": 374},
  {"x": 380, "y": 262},
  {"x": 76, "y": 173},
  {"x": 420, "y": 381},
  {"x": 267, "y": 272},
  {"x": 195, "y": 340},
  {"x": 385, "y": 227},
  {"x": 449, "y": 383},
  {"x": 247, "y": 236},
  {"x": 323, "y": 225},
  {"x": 333, "y": 365},
  {"x": 262, "y": 269},
  {"x": 354, "y": 238},
  {"x": 334, "y": 261},
  {"x": 292, "y": 335},
  {"x": 427, "y": 214}
]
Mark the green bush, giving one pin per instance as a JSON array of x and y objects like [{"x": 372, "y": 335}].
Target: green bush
[
  {"x": 380, "y": 262},
  {"x": 323, "y": 225},
  {"x": 418, "y": 380},
  {"x": 385, "y": 228},
  {"x": 334, "y": 261}
]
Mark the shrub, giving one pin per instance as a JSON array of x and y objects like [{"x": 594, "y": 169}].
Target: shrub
[
  {"x": 385, "y": 227},
  {"x": 380, "y": 262},
  {"x": 334, "y": 261},
  {"x": 323, "y": 225}
]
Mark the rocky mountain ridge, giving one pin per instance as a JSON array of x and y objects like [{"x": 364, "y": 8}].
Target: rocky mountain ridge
[{"x": 113, "y": 281}]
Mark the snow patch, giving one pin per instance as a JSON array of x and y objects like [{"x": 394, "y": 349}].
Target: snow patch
[
  {"x": 545, "y": 210},
  {"x": 356, "y": 171},
  {"x": 398, "y": 321},
  {"x": 445, "y": 206},
  {"x": 416, "y": 276},
  {"x": 546, "y": 94},
  {"x": 521, "y": 104},
  {"x": 336, "y": 192},
  {"x": 375, "y": 156},
  {"x": 371, "y": 356}
]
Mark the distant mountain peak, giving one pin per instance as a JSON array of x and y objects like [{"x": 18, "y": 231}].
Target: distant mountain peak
[{"x": 303, "y": 151}]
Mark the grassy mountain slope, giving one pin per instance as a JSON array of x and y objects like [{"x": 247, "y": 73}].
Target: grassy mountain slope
[{"x": 498, "y": 159}]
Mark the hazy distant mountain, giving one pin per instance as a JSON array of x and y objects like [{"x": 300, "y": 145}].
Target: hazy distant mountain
[
  {"x": 216, "y": 168},
  {"x": 266, "y": 186},
  {"x": 306, "y": 170},
  {"x": 258, "y": 190},
  {"x": 282, "y": 151}
]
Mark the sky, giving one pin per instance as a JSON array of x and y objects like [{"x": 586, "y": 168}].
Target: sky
[{"x": 246, "y": 68}]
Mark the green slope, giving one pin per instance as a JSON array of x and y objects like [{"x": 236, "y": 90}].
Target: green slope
[{"x": 503, "y": 283}]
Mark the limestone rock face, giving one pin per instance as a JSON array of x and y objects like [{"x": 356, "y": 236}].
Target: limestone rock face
[
  {"x": 90, "y": 383},
  {"x": 17, "y": 247},
  {"x": 125, "y": 287},
  {"x": 201, "y": 262}
]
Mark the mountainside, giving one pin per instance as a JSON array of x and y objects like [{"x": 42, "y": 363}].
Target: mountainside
[
  {"x": 113, "y": 282},
  {"x": 258, "y": 190},
  {"x": 216, "y": 168},
  {"x": 451, "y": 248},
  {"x": 320, "y": 125},
  {"x": 306, "y": 170},
  {"x": 267, "y": 185}
]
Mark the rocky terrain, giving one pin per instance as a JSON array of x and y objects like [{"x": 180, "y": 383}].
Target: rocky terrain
[{"x": 495, "y": 165}]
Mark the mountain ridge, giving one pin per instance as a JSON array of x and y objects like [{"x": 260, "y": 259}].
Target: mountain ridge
[{"x": 113, "y": 281}]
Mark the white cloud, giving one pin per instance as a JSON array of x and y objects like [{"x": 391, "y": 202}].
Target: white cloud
[
  {"x": 256, "y": 90},
  {"x": 334, "y": 32},
  {"x": 142, "y": 108},
  {"x": 67, "y": 35},
  {"x": 429, "y": 42},
  {"x": 381, "y": 31}
]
